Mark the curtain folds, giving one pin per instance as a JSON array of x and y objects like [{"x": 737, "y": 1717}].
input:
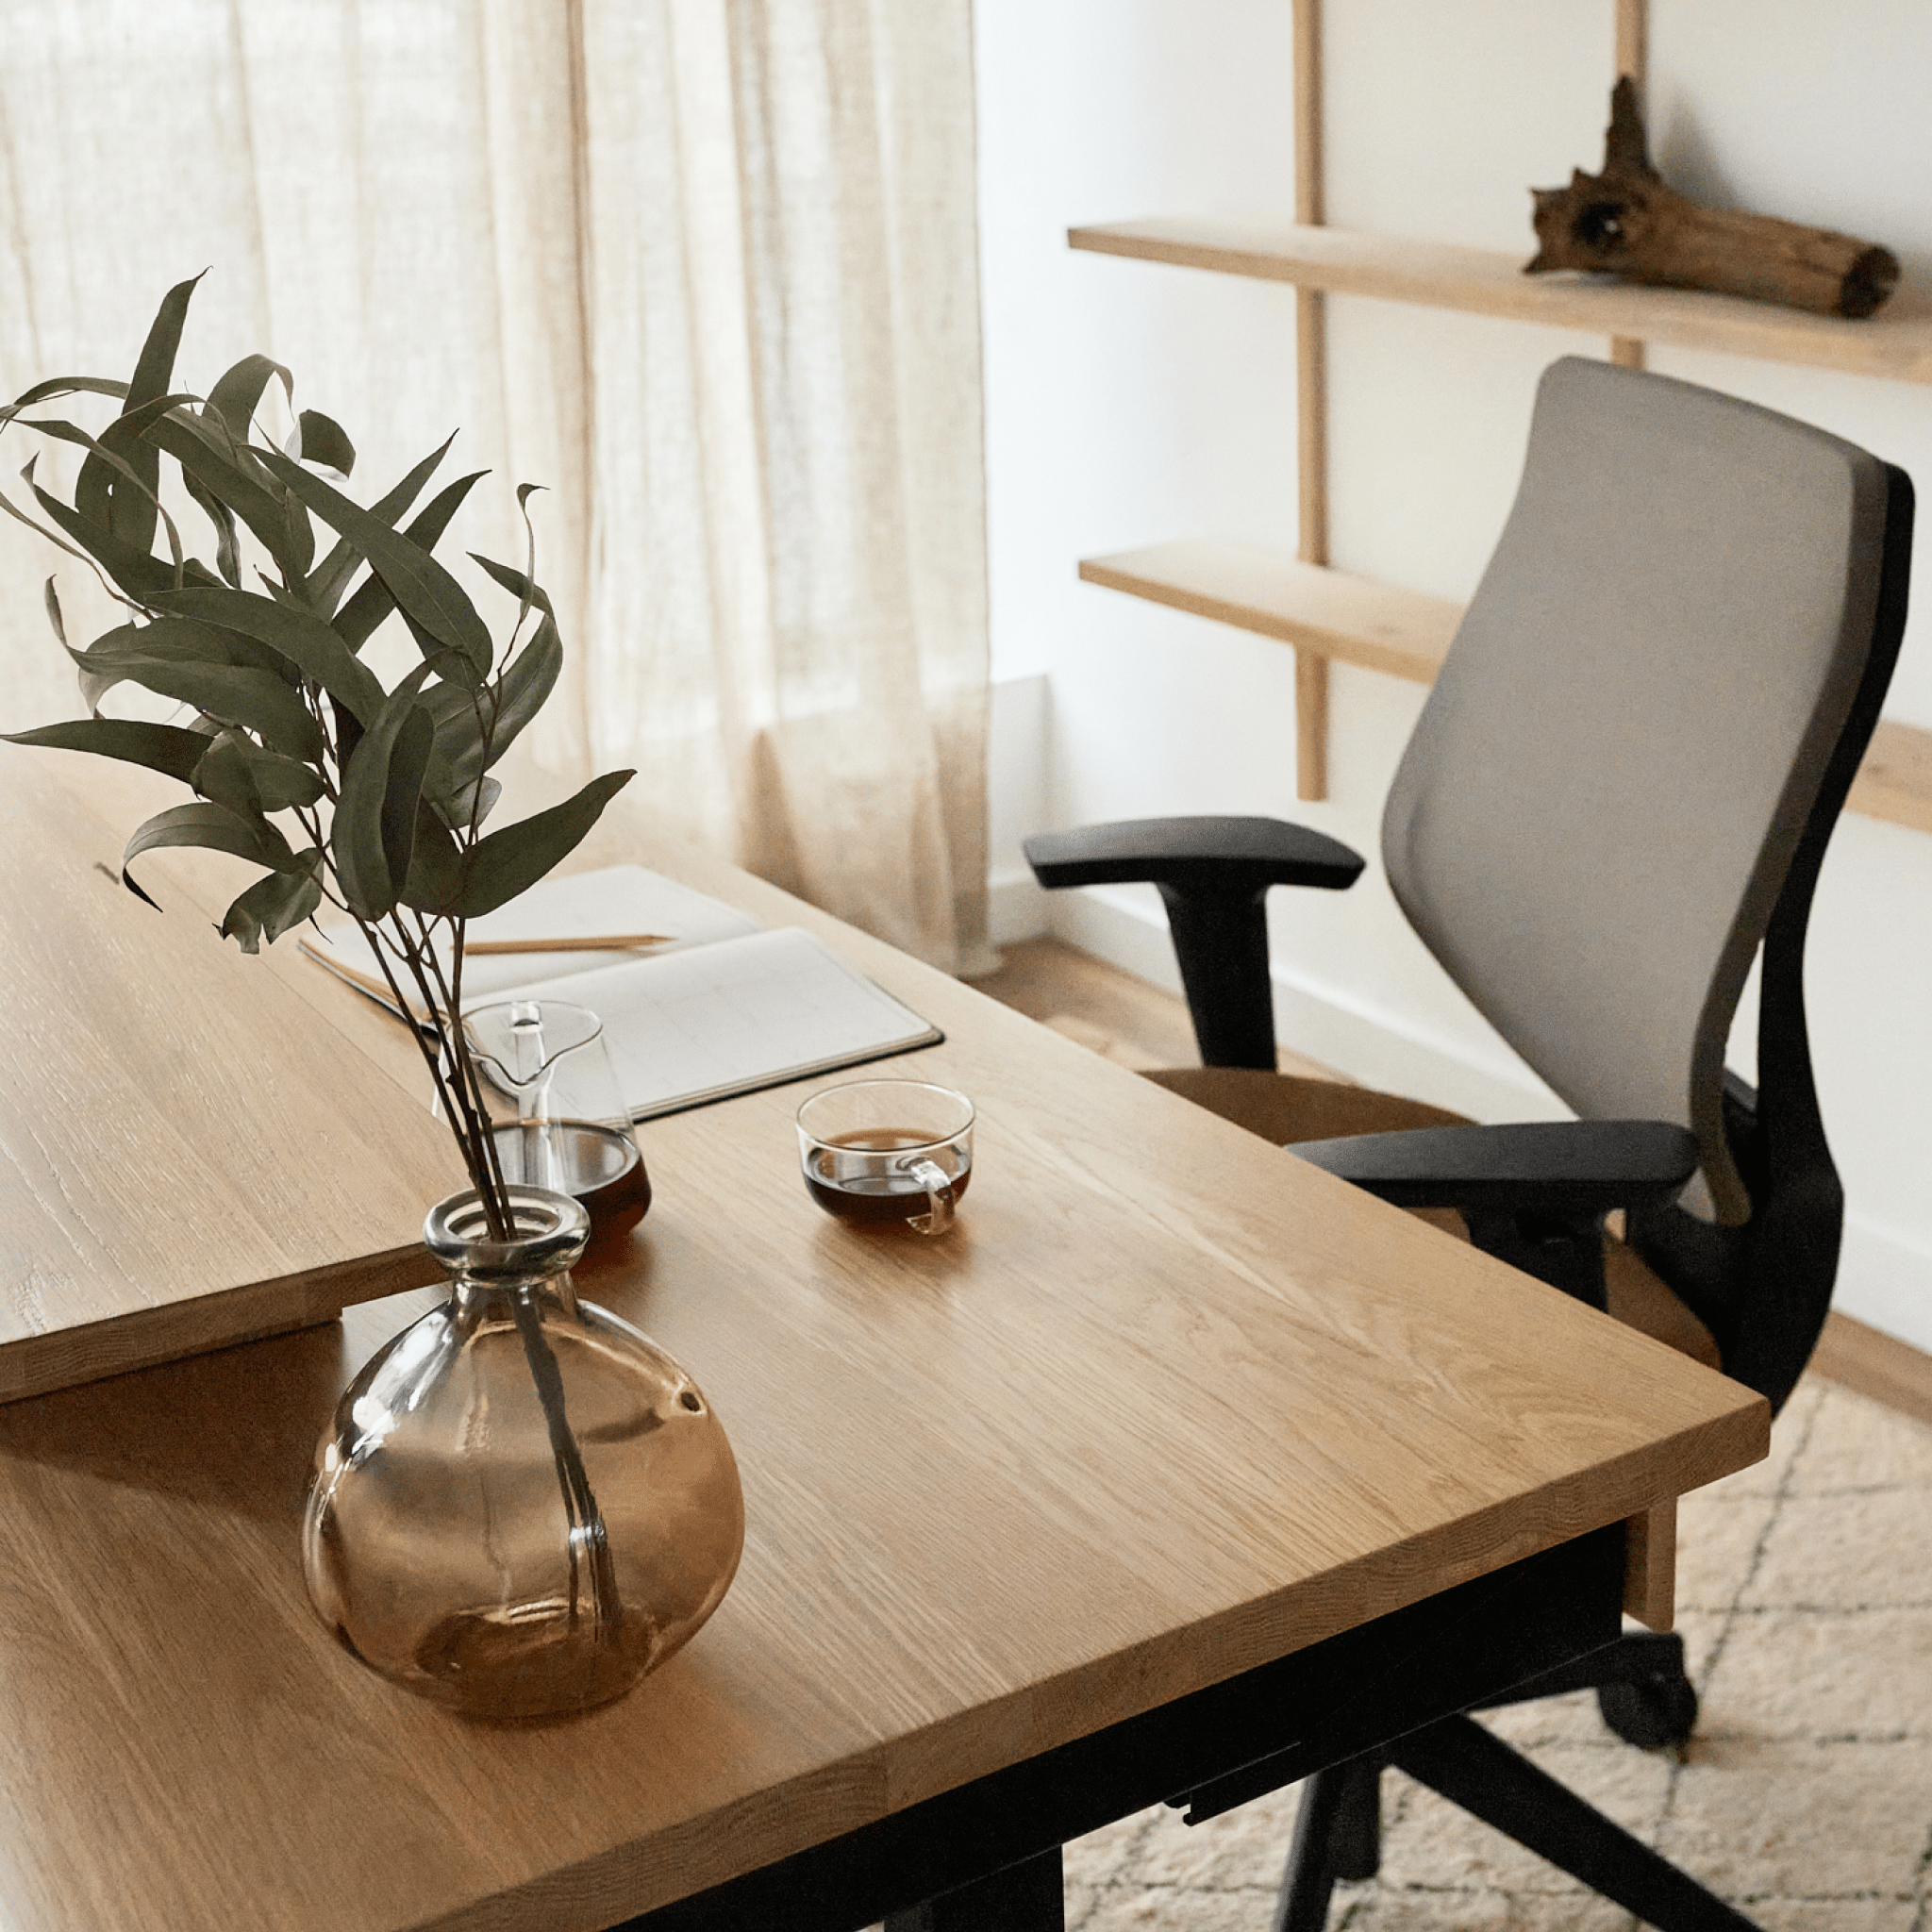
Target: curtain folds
[{"x": 706, "y": 270}]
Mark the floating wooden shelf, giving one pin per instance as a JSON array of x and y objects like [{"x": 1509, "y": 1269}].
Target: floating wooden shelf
[
  {"x": 1895, "y": 782},
  {"x": 1404, "y": 633},
  {"x": 1348, "y": 618},
  {"x": 1896, "y": 342}
]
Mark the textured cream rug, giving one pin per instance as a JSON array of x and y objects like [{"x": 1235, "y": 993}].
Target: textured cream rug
[{"x": 1804, "y": 1797}]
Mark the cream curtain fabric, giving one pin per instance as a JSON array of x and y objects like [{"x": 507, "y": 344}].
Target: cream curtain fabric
[{"x": 707, "y": 270}]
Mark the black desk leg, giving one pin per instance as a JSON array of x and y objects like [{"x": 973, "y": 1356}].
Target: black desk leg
[
  {"x": 1027, "y": 1897},
  {"x": 1338, "y": 1834}
]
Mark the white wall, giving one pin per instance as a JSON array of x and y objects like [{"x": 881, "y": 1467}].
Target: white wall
[{"x": 1130, "y": 403}]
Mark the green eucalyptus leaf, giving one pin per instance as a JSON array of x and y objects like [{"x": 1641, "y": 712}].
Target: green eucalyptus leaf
[
  {"x": 475, "y": 802},
  {"x": 365, "y": 834},
  {"x": 215, "y": 829},
  {"x": 424, "y": 590},
  {"x": 258, "y": 701},
  {"x": 126, "y": 505},
  {"x": 223, "y": 777},
  {"x": 52, "y": 598},
  {"x": 436, "y": 864},
  {"x": 40, "y": 530},
  {"x": 497, "y": 868},
  {"x": 273, "y": 905},
  {"x": 280, "y": 782},
  {"x": 296, "y": 552},
  {"x": 67, "y": 385},
  {"x": 515, "y": 581},
  {"x": 179, "y": 639},
  {"x": 227, "y": 546},
  {"x": 348, "y": 733},
  {"x": 527, "y": 683},
  {"x": 159, "y": 747},
  {"x": 133, "y": 467},
  {"x": 135, "y": 572},
  {"x": 446, "y": 701},
  {"x": 161, "y": 636},
  {"x": 203, "y": 452},
  {"x": 235, "y": 396},
  {"x": 473, "y": 731},
  {"x": 459, "y": 745},
  {"x": 247, "y": 778},
  {"x": 323, "y": 440},
  {"x": 330, "y": 578},
  {"x": 156, "y": 368},
  {"x": 301, "y": 637},
  {"x": 402, "y": 798},
  {"x": 357, "y": 619},
  {"x": 456, "y": 760}
]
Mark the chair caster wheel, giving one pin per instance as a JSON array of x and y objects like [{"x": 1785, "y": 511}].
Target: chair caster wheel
[{"x": 1651, "y": 1713}]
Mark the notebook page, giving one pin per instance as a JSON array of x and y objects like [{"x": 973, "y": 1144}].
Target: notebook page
[
  {"x": 689, "y": 1026},
  {"x": 613, "y": 899}
]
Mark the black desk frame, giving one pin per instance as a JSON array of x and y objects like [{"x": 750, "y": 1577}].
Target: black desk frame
[{"x": 986, "y": 1858}]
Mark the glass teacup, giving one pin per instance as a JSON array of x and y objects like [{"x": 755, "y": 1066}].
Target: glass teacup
[{"x": 878, "y": 1152}]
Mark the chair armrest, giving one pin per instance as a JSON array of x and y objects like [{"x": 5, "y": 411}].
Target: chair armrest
[
  {"x": 1558, "y": 1171},
  {"x": 1213, "y": 874},
  {"x": 1239, "y": 855}
]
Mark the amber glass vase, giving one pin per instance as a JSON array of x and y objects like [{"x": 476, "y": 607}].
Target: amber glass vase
[{"x": 522, "y": 1504}]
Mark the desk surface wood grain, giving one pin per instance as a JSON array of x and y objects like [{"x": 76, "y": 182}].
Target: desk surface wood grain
[
  {"x": 187, "y": 1156},
  {"x": 1166, "y": 1403}
]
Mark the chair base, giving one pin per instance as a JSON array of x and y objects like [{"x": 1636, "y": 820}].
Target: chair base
[
  {"x": 1337, "y": 1828},
  {"x": 1641, "y": 1687}
]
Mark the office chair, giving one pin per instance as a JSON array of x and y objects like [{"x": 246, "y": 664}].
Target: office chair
[{"x": 1621, "y": 786}]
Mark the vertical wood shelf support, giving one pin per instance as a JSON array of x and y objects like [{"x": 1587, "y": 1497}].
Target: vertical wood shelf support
[
  {"x": 1311, "y": 401},
  {"x": 1632, "y": 57}
]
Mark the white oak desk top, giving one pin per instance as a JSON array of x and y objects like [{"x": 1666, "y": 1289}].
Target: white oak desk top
[
  {"x": 1165, "y": 1405},
  {"x": 162, "y": 1105}
]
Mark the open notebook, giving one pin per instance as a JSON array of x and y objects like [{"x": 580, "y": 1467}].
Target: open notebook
[{"x": 723, "y": 1007}]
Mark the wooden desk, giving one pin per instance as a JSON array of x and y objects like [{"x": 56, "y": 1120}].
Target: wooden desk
[
  {"x": 1164, "y": 1407},
  {"x": 187, "y": 1158}
]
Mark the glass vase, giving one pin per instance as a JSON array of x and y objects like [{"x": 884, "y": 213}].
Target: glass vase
[{"x": 523, "y": 1504}]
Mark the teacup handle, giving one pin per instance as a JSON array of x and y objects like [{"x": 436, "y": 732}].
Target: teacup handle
[{"x": 937, "y": 1184}]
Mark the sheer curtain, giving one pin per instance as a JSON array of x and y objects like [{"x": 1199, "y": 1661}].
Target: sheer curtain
[{"x": 707, "y": 270}]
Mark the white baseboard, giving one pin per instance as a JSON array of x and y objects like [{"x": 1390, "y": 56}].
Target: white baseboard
[
  {"x": 1885, "y": 1277},
  {"x": 1884, "y": 1280}
]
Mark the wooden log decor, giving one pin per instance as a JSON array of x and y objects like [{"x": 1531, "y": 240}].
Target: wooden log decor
[{"x": 1626, "y": 222}]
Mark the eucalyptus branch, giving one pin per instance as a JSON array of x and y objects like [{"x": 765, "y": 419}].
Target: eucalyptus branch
[
  {"x": 432, "y": 1058},
  {"x": 454, "y": 1073},
  {"x": 452, "y": 997},
  {"x": 286, "y": 699}
]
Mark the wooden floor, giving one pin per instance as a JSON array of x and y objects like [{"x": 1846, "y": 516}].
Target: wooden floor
[{"x": 1135, "y": 1024}]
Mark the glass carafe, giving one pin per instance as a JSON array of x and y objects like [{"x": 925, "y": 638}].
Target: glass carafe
[{"x": 523, "y": 1504}]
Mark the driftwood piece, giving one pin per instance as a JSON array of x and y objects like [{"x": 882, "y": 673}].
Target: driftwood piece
[{"x": 1625, "y": 221}]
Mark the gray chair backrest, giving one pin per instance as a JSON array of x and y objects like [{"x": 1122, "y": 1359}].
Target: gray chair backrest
[{"x": 1594, "y": 817}]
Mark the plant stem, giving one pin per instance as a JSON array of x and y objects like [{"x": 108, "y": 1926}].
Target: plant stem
[
  {"x": 452, "y": 1003},
  {"x": 473, "y": 1143},
  {"x": 579, "y": 1500}
]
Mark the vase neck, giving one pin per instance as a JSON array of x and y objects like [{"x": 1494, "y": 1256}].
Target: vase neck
[
  {"x": 549, "y": 1234},
  {"x": 493, "y": 1299}
]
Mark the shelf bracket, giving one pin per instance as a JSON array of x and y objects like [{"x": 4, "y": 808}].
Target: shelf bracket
[
  {"x": 1311, "y": 401},
  {"x": 1633, "y": 58}
]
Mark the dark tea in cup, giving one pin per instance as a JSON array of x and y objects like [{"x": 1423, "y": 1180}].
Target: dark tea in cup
[{"x": 878, "y": 1152}]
